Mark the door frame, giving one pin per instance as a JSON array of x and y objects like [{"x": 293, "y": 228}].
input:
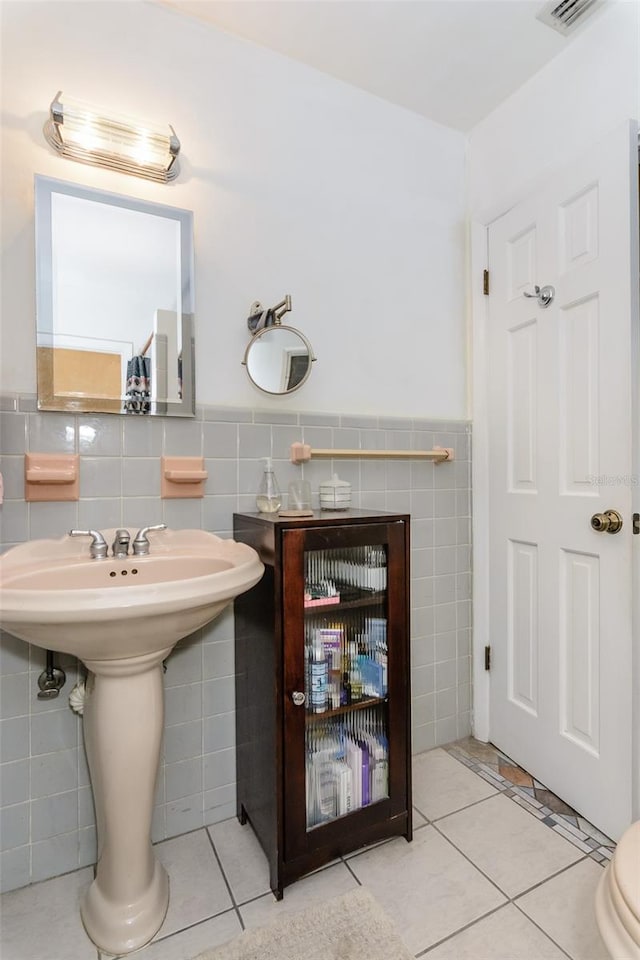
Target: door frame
[{"x": 478, "y": 247}]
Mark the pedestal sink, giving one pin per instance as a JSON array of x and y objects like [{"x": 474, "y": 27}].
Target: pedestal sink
[{"x": 122, "y": 617}]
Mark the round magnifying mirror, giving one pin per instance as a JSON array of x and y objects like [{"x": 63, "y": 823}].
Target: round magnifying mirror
[{"x": 278, "y": 359}]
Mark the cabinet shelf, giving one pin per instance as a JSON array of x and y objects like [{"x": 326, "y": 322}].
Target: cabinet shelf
[
  {"x": 312, "y": 785},
  {"x": 351, "y": 602},
  {"x": 346, "y": 708}
]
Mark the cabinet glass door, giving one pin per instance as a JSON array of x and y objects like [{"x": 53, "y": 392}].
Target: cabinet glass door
[{"x": 345, "y": 681}]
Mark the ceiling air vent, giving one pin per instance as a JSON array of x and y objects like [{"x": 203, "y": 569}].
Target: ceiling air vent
[{"x": 568, "y": 15}]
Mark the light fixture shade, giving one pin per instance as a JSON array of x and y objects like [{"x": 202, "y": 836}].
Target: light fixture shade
[{"x": 78, "y": 131}]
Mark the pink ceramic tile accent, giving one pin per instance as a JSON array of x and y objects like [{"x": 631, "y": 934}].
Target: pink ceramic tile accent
[
  {"x": 182, "y": 477},
  {"x": 51, "y": 476}
]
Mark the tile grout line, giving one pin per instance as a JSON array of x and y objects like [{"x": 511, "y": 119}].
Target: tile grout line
[
  {"x": 469, "y": 860},
  {"x": 467, "y": 807},
  {"x": 542, "y": 930},
  {"x": 553, "y": 876},
  {"x": 358, "y": 881},
  {"x": 467, "y": 926},
  {"x": 224, "y": 877},
  {"x": 176, "y": 933}
]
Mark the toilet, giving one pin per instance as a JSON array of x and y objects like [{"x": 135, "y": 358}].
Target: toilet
[{"x": 618, "y": 899}]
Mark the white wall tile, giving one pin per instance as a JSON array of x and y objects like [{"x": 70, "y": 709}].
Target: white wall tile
[
  {"x": 183, "y": 779},
  {"x": 182, "y": 438},
  {"x": 183, "y": 741},
  {"x": 219, "y": 732},
  {"x": 54, "y": 773},
  {"x": 14, "y": 521},
  {"x": 51, "y": 520},
  {"x": 54, "y": 815},
  {"x": 14, "y": 782},
  {"x": 14, "y": 738},
  {"x": 12, "y": 469},
  {"x": 54, "y": 731},
  {"x": 219, "y": 769},
  {"x": 14, "y": 825},
  {"x": 14, "y": 695},
  {"x": 15, "y": 868},
  {"x": 55, "y": 856},
  {"x": 52, "y": 433},
  {"x": 13, "y": 430}
]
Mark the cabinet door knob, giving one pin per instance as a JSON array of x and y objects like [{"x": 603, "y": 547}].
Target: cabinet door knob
[{"x": 298, "y": 698}]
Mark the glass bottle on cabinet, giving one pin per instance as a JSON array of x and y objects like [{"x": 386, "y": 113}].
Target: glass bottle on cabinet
[{"x": 323, "y": 690}]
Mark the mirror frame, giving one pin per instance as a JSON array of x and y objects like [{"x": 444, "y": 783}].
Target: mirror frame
[
  {"x": 47, "y": 399},
  {"x": 262, "y": 333}
]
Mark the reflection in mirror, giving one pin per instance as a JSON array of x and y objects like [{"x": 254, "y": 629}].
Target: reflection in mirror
[
  {"x": 278, "y": 359},
  {"x": 114, "y": 280}
]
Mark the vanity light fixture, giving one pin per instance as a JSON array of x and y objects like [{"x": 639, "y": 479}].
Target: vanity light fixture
[{"x": 80, "y": 132}]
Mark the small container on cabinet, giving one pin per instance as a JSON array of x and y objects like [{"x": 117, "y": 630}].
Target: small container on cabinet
[{"x": 323, "y": 704}]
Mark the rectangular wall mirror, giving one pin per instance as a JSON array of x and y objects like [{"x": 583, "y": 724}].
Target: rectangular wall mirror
[{"x": 114, "y": 286}]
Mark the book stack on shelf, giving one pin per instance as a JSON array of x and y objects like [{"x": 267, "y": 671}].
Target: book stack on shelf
[{"x": 347, "y": 765}]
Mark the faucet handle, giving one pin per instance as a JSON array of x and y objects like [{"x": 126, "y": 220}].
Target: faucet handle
[
  {"x": 98, "y": 547},
  {"x": 141, "y": 543}
]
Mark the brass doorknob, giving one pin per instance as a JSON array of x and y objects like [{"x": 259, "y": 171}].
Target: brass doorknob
[{"x": 608, "y": 522}]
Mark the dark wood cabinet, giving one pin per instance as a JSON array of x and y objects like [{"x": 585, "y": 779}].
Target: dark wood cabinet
[{"x": 323, "y": 687}]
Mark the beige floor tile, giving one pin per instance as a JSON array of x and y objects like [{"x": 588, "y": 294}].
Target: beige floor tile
[
  {"x": 508, "y": 844},
  {"x": 442, "y": 784},
  {"x": 564, "y": 908},
  {"x": 428, "y": 888},
  {"x": 317, "y": 887},
  {"x": 242, "y": 858},
  {"x": 505, "y": 935},
  {"x": 418, "y": 819},
  {"x": 197, "y": 888},
  {"x": 189, "y": 943},
  {"x": 41, "y": 919}
]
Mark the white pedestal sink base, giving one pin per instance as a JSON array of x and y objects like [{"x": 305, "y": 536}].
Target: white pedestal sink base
[
  {"x": 122, "y": 616},
  {"x": 123, "y": 721},
  {"x": 131, "y": 925}
]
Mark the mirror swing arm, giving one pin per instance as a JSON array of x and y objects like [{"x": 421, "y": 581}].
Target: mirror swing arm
[
  {"x": 259, "y": 318},
  {"x": 273, "y": 371}
]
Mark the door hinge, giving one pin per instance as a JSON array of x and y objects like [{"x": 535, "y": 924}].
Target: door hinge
[
  {"x": 636, "y": 523},
  {"x": 487, "y": 658},
  {"x": 485, "y": 283}
]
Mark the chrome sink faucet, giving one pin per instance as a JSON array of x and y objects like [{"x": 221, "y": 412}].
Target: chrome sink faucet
[
  {"x": 98, "y": 546},
  {"x": 121, "y": 544},
  {"x": 141, "y": 543}
]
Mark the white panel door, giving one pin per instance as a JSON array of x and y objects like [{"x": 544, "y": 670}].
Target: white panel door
[{"x": 560, "y": 451}]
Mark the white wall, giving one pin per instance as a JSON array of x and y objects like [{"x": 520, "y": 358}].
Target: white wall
[
  {"x": 299, "y": 184},
  {"x": 570, "y": 104}
]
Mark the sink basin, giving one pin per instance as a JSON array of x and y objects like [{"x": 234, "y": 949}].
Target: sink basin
[
  {"x": 55, "y": 596},
  {"x": 122, "y": 618}
]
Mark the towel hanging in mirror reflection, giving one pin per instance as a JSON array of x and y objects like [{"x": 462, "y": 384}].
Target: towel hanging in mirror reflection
[{"x": 138, "y": 392}]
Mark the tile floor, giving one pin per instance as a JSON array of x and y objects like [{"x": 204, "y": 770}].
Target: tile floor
[
  {"x": 483, "y": 879},
  {"x": 493, "y": 766}
]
